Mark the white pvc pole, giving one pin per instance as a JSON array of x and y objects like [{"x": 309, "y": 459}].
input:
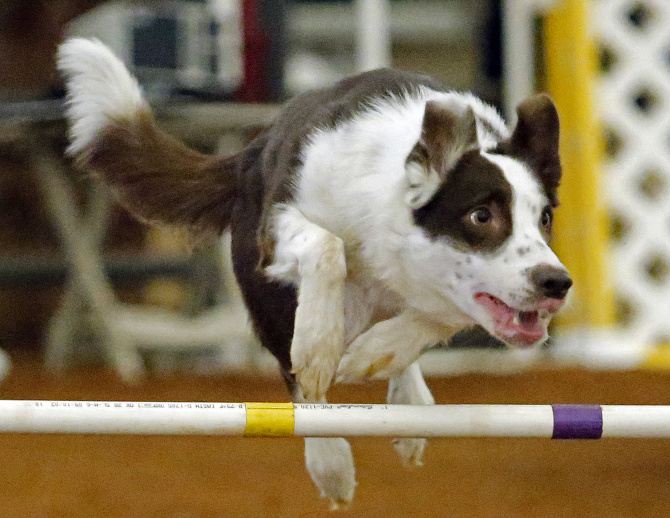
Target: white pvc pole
[
  {"x": 326, "y": 420},
  {"x": 519, "y": 51},
  {"x": 373, "y": 35},
  {"x": 421, "y": 421},
  {"x": 112, "y": 417},
  {"x": 518, "y": 54}
]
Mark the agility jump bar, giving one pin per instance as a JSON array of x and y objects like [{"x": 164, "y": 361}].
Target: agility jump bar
[{"x": 334, "y": 420}]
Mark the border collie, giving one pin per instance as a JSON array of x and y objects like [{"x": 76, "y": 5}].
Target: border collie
[{"x": 371, "y": 221}]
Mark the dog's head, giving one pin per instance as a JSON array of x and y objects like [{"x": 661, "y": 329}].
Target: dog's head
[{"x": 485, "y": 214}]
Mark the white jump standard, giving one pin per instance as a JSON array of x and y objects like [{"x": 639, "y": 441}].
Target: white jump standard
[{"x": 326, "y": 420}]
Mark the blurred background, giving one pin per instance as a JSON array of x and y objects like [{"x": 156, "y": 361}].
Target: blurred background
[{"x": 94, "y": 305}]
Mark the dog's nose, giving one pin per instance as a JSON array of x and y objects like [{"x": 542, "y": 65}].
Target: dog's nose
[{"x": 550, "y": 281}]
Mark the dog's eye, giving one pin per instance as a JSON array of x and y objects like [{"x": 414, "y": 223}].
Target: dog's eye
[
  {"x": 480, "y": 216},
  {"x": 547, "y": 217}
]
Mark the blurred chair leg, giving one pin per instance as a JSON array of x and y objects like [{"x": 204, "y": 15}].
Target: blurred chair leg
[
  {"x": 236, "y": 349},
  {"x": 63, "y": 329},
  {"x": 5, "y": 364},
  {"x": 82, "y": 249}
]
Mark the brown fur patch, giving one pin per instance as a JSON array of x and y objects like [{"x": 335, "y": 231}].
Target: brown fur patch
[
  {"x": 161, "y": 180},
  {"x": 474, "y": 182},
  {"x": 445, "y": 136},
  {"x": 535, "y": 142},
  {"x": 380, "y": 364}
]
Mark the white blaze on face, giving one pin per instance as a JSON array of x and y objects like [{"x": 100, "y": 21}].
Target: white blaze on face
[
  {"x": 526, "y": 246},
  {"x": 506, "y": 300}
]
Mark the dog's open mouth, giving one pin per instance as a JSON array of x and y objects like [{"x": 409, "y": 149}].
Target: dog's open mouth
[{"x": 517, "y": 327}]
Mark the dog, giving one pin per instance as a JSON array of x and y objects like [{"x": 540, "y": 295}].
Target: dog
[{"x": 370, "y": 221}]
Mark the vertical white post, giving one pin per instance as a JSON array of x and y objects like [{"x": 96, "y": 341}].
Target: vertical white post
[
  {"x": 519, "y": 51},
  {"x": 518, "y": 54},
  {"x": 228, "y": 14},
  {"x": 373, "y": 34},
  {"x": 194, "y": 49}
]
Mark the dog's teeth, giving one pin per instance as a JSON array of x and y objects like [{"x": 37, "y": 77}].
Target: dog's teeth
[{"x": 517, "y": 318}]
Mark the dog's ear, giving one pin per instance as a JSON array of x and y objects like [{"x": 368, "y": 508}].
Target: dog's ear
[
  {"x": 449, "y": 129},
  {"x": 537, "y": 129},
  {"x": 535, "y": 139}
]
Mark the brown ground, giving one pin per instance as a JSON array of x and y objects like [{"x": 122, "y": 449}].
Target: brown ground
[{"x": 196, "y": 477}]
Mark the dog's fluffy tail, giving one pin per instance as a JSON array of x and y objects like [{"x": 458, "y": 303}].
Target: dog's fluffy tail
[{"x": 114, "y": 135}]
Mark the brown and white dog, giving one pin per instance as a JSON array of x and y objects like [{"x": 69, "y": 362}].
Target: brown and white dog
[{"x": 370, "y": 221}]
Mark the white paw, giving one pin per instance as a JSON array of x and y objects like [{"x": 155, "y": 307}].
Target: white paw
[
  {"x": 373, "y": 356},
  {"x": 410, "y": 389},
  {"x": 316, "y": 351},
  {"x": 315, "y": 371},
  {"x": 410, "y": 450},
  {"x": 330, "y": 463}
]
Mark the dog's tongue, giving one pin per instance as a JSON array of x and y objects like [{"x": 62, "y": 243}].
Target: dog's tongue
[
  {"x": 523, "y": 327},
  {"x": 529, "y": 321}
]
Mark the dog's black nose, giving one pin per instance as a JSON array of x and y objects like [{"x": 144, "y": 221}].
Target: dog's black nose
[{"x": 550, "y": 281}]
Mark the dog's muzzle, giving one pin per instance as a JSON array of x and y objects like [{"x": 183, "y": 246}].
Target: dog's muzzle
[{"x": 526, "y": 326}]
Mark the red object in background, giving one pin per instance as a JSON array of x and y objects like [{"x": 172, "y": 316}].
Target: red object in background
[{"x": 256, "y": 41}]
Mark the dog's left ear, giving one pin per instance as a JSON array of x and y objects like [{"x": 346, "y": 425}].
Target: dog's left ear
[
  {"x": 535, "y": 139},
  {"x": 449, "y": 129},
  {"x": 537, "y": 130}
]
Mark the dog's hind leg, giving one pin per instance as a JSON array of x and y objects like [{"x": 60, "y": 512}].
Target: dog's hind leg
[
  {"x": 314, "y": 259},
  {"x": 409, "y": 388},
  {"x": 330, "y": 465}
]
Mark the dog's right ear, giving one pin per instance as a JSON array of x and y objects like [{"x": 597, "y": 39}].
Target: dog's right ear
[{"x": 449, "y": 129}]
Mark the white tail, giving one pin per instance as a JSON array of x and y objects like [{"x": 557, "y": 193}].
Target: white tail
[{"x": 100, "y": 90}]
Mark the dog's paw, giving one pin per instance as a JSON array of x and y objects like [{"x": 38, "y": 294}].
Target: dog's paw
[
  {"x": 410, "y": 450},
  {"x": 314, "y": 373},
  {"x": 387, "y": 348},
  {"x": 372, "y": 357},
  {"x": 330, "y": 464},
  {"x": 316, "y": 351}
]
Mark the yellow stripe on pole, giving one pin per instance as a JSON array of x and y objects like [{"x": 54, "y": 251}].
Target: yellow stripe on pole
[
  {"x": 269, "y": 420},
  {"x": 581, "y": 223}
]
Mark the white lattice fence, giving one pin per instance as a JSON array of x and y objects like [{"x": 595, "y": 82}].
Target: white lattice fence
[{"x": 634, "y": 102}]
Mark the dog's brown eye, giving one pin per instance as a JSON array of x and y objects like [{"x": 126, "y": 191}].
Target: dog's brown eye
[
  {"x": 480, "y": 216},
  {"x": 547, "y": 217}
]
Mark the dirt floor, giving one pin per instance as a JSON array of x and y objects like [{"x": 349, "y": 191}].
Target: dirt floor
[{"x": 196, "y": 477}]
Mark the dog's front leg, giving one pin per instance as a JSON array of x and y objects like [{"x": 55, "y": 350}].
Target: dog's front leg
[
  {"x": 409, "y": 388},
  {"x": 314, "y": 259},
  {"x": 389, "y": 347}
]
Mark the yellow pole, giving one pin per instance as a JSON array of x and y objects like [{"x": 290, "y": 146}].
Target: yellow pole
[{"x": 581, "y": 223}]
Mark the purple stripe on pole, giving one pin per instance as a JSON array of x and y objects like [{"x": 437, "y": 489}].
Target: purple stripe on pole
[{"x": 577, "y": 421}]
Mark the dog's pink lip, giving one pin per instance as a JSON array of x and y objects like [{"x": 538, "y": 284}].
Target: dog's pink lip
[{"x": 518, "y": 327}]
